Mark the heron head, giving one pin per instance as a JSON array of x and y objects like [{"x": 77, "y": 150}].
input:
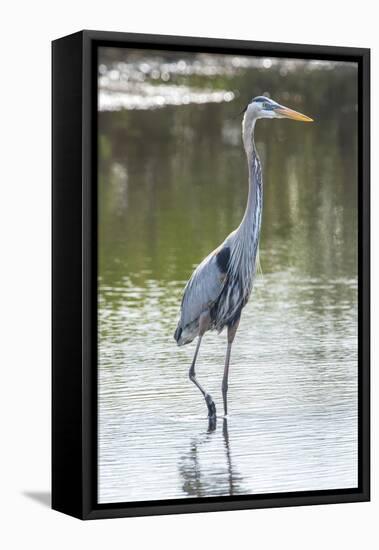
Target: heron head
[{"x": 264, "y": 107}]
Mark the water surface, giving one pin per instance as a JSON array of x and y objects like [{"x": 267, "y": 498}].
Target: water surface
[{"x": 172, "y": 185}]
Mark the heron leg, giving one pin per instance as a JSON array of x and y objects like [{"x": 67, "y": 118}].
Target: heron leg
[
  {"x": 203, "y": 326},
  {"x": 232, "y": 329}
]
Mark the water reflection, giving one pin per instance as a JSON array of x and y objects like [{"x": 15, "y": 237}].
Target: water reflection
[
  {"x": 172, "y": 185},
  {"x": 234, "y": 480},
  {"x": 209, "y": 478}
]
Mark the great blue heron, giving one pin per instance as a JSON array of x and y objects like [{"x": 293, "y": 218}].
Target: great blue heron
[{"x": 221, "y": 285}]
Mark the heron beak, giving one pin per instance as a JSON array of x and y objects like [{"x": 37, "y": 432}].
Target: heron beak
[{"x": 294, "y": 115}]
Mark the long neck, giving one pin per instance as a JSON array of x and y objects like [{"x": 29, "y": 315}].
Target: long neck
[
  {"x": 245, "y": 250},
  {"x": 251, "y": 219},
  {"x": 246, "y": 237}
]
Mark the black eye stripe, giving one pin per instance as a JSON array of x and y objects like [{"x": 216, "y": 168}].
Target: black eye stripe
[{"x": 266, "y": 103}]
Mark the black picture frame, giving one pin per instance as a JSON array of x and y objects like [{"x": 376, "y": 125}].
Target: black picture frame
[{"x": 74, "y": 294}]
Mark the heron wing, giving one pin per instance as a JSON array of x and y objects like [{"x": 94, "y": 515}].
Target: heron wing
[{"x": 205, "y": 285}]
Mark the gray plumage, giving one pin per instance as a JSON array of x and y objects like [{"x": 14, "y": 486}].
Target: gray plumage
[{"x": 221, "y": 285}]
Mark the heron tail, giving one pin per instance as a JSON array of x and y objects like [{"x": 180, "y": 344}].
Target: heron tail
[
  {"x": 177, "y": 334},
  {"x": 185, "y": 335}
]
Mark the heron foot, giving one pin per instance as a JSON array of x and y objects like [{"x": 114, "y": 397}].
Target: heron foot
[
  {"x": 211, "y": 406},
  {"x": 212, "y": 423}
]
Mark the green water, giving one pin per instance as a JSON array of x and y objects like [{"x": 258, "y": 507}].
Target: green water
[{"x": 172, "y": 185}]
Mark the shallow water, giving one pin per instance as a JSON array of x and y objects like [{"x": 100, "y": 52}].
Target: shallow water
[{"x": 172, "y": 185}]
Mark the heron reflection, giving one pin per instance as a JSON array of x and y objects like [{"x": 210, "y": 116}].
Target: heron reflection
[{"x": 207, "y": 468}]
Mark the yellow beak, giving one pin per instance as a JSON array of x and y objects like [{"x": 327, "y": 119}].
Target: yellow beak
[{"x": 294, "y": 115}]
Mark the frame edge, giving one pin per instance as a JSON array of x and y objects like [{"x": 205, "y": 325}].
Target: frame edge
[{"x": 67, "y": 96}]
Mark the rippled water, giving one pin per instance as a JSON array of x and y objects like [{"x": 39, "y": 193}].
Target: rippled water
[{"x": 172, "y": 185}]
